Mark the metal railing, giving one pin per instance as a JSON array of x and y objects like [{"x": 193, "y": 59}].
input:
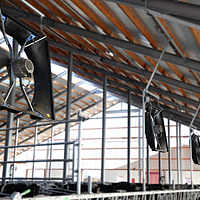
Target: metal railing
[
  {"x": 75, "y": 156},
  {"x": 14, "y": 161},
  {"x": 150, "y": 195}
]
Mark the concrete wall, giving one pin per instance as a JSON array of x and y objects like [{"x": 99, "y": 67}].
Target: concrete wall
[
  {"x": 185, "y": 177},
  {"x": 120, "y": 175}
]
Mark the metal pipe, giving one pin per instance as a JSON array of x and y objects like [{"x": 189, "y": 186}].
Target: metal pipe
[
  {"x": 190, "y": 143},
  {"x": 68, "y": 112},
  {"x": 15, "y": 149},
  {"x": 79, "y": 157},
  {"x": 10, "y": 90},
  {"x": 33, "y": 161},
  {"x": 169, "y": 153},
  {"x": 26, "y": 96},
  {"x": 47, "y": 163},
  {"x": 89, "y": 184},
  {"x": 11, "y": 50},
  {"x": 28, "y": 45},
  {"x": 177, "y": 154},
  {"x": 26, "y": 178},
  {"x": 159, "y": 167},
  {"x": 10, "y": 116},
  {"x": 129, "y": 139},
  {"x": 33, "y": 8},
  {"x": 152, "y": 94},
  {"x": 148, "y": 163},
  {"x": 51, "y": 151},
  {"x": 194, "y": 116},
  {"x": 191, "y": 162},
  {"x": 139, "y": 147},
  {"x": 34, "y": 151},
  {"x": 103, "y": 130},
  {"x": 123, "y": 117},
  {"x": 2, "y": 40},
  {"x": 73, "y": 163},
  {"x": 160, "y": 58},
  {"x": 180, "y": 154},
  {"x": 143, "y": 139},
  {"x": 44, "y": 124},
  {"x": 35, "y": 145}
]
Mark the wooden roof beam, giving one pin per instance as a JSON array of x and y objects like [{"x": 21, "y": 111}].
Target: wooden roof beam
[{"x": 102, "y": 6}]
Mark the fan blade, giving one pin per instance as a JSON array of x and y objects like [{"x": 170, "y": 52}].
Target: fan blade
[
  {"x": 162, "y": 140},
  {"x": 195, "y": 149},
  {"x": 149, "y": 131}
]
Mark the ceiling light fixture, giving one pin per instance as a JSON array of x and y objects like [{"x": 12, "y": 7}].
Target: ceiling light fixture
[{"x": 109, "y": 52}]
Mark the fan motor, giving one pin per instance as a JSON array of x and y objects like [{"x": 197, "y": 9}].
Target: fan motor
[
  {"x": 23, "y": 68},
  {"x": 158, "y": 130}
]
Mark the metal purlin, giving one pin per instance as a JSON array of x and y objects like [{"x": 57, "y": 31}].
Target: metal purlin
[
  {"x": 144, "y": 101},
  {"x": 190, "y": 144}
]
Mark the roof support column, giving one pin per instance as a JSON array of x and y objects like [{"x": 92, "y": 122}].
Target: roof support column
[
  {"x": 180, "y": 155},
  {"x": 129, "y": 139},
  {"x": 160, "y": 167},
  {"x": 139, "y": 147},
  {"x": 68, "y": 111},
  {"x": 169, "y": 153},
  {"x": 10, "y": 120},
  {"x": 143, "y": 139},
  {"x": 177, "y": 154},
  {"x": 148, "y": 164},
  {"x": 103, "y": 130}
]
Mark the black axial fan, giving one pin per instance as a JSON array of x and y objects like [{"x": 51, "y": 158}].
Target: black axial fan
[
  {"x": 195, "y": 149},
  {"x": 155, "y": 128},
  {"x": 38, "y": 63}
]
